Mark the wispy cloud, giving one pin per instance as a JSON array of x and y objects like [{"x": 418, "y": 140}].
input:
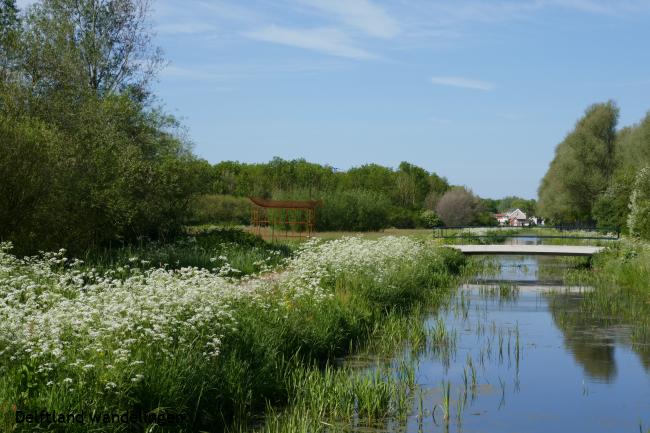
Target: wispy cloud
[
  {"x": 462, "y": 82},
  {"x": 231, "y": 11},
  {"x": 360, "y": 14},
  {"x": 451, "y": 12},
  {"x": 327, "y": 40}
]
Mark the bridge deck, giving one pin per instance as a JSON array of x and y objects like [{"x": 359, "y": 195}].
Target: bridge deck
[{"x": 537, "y": 250}]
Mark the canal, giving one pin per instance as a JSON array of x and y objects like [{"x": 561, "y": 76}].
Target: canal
[{"x": 520, "y": 357}]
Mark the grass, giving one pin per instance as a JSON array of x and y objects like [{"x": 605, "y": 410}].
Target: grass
[
  {"x": 229, "y": 250},
  {"x": 218, "y": 351},
  {"x": 621, "y": 279}
]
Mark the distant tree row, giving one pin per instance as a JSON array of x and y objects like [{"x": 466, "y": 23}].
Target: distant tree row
[
  {"x": 600, "y": 174},
  {"x": 368, "y": 197},
  {"x": 409, "y": 186}
]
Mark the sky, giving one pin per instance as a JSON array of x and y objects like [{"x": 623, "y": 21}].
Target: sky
[{"x": 479, "y": 92}]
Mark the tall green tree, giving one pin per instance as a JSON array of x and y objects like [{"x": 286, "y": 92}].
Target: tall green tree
[
  {"x": 9, "y": 37},
  {"x": 102, "y": 45},
  {"x": 633, "y": 147},
  {"x": 412, "y": 185},
  {"x": 582, "y": 167},
  {"x": 86, "y": 159}
]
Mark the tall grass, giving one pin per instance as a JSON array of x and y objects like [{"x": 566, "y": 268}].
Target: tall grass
[
  {"x": 621, "y": 279},
  {"x": 229, "y": 250},
  {"x": 217, "y": 351}
]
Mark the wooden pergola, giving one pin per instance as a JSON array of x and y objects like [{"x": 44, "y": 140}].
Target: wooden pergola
[{"x": 296, "y": 217}]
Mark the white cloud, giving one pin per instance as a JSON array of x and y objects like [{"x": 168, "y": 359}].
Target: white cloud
[
  {"x": 231, "y": 11},
  {"x": 325, "y": 40},
  {"x": 360, "y": 14},
  {"x": 462, "y": 82},
  {"x": 450, "y": 12}
]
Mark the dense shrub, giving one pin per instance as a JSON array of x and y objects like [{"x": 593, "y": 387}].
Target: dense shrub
[
  {"x": 639, "y": 219},
  {"x": 86, "y": 158},
  {"x": 402, "y": 218},
  {"x": 611, "y": 208},
  {"x": 430, "y": 219},
  {"x": 354, "y": 210},
  {"x": 220, "y": 209},
  {"x": 459, "y": 207}
]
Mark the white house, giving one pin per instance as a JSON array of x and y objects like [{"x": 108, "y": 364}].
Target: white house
[{"x": 513, "y": 217}]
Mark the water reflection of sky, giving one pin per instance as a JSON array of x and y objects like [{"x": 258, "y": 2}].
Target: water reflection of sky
[{"x": 574, "y": 374}]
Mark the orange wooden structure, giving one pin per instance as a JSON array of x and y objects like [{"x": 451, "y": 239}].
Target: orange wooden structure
[{"x": 297, "y": 217}]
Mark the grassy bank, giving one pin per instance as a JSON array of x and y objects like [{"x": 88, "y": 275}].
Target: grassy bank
[
  {"x": 621, "y": 277},
  {"x": 229, "y": 250},
  {"x": 190, "y": 343}
]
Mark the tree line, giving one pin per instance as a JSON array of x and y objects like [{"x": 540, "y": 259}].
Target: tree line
[
  {"x": 368, "y": 197},
  {"x": 600, "y": 174},
  {"x": 88, "y": 159}
]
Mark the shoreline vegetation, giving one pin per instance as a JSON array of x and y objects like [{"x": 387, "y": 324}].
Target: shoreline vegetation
[
  {"x": 621, "y": 278},
  {"x": 204, "y": 345},
  {"x": 229, "y": 332}
]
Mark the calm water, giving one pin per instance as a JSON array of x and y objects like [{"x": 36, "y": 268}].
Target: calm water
[{"x": 539, "y": 365}]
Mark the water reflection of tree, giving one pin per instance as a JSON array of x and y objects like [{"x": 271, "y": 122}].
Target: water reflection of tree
[{"x": 593, "y": 350}]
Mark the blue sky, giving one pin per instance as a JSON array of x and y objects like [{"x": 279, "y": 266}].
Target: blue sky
[{"x": 480, "y": 92}]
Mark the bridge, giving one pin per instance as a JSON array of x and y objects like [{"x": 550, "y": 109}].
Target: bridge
[{"x": 527, "y": 250}]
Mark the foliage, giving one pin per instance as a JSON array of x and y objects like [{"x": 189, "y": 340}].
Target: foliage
[
  {"x": 621, "y": 279},
  {"x": 401, "y": 218},
  {"x": 407, "y": 187},
  {"x": 101, "y": 45},
  {"x": 582, "y": 167},
  {"x": 639, "y": 218},
  {"x": 353, "y": 210},
  {"x": 229, "y": 251},
  {"x": 458, "y": 207},
  {"x": 592, "y": 177},
  {"x": 633, "y": 147},
  {"x": 217, "y": 208},
  {"x": 430, "y": 219},
  {"x": 86, "y": 160},
  {"x": 612, "y": 206},
  {"x": 512, "y": 202},
  {"x": 191, "y": 341}
]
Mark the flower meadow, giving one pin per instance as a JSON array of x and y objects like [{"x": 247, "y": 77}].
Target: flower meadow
[{"x": 199, "y": 345}]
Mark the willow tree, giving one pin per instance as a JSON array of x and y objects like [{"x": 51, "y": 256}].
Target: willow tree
[{"x": 582, "y": 167}]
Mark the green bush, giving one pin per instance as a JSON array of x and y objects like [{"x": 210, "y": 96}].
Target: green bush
[
  {"x": 355, "y": 210},
  {"x": 220, "y": 209},
  {"x": 401, "y": 218},
  {"x": 639, "y": 218},
  {"x": 430, "y": 219}
]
